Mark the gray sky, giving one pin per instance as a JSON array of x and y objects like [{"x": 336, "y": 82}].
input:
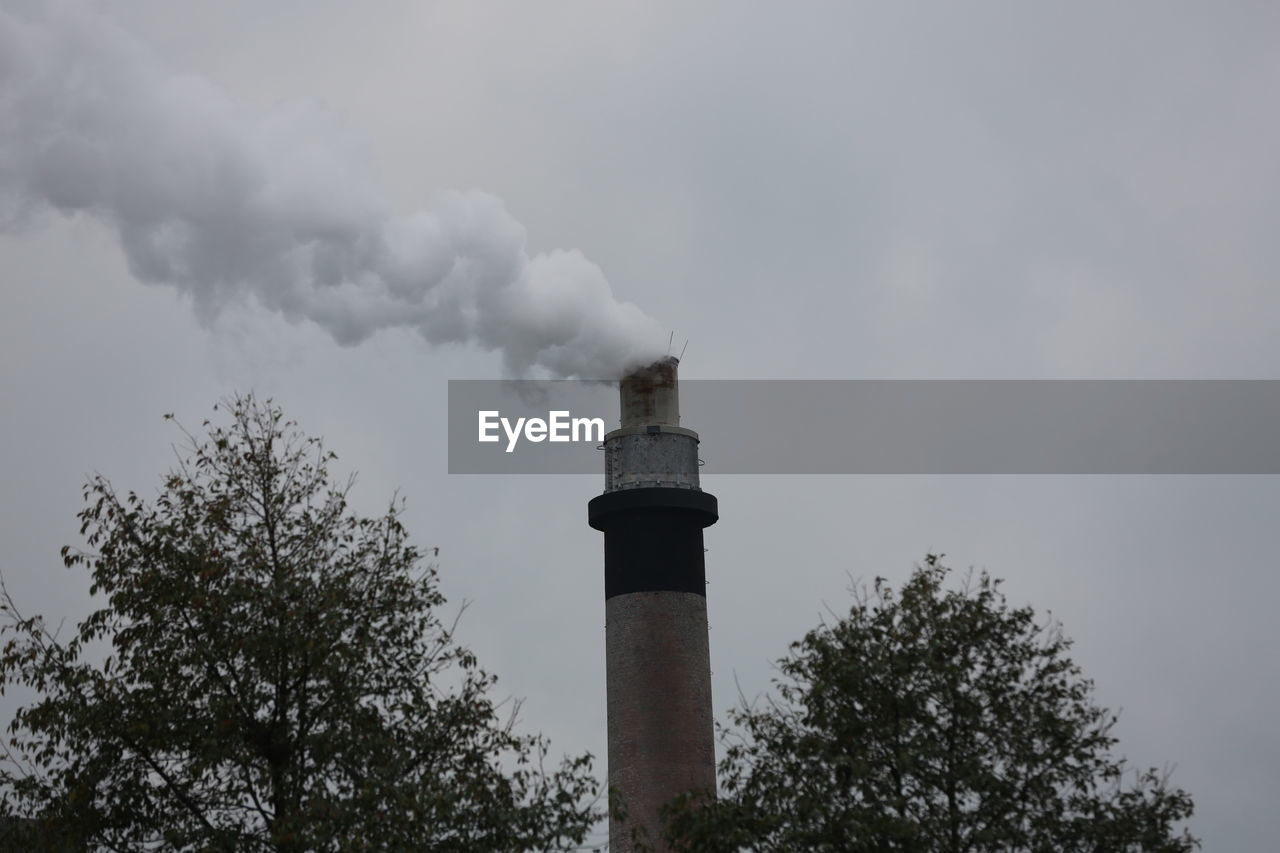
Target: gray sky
[{"x": 1003, "y": 190}]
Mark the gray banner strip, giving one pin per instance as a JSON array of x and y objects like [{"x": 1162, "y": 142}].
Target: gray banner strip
[{"x": 899, "y": 427}]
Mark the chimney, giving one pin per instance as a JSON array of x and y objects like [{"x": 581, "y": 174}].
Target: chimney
[{"x": 652, "y": 513}]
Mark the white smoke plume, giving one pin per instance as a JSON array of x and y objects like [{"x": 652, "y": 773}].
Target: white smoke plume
[{"x": 224, "y": 206}]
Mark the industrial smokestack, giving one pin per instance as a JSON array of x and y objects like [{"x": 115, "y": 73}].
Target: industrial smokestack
[{"x": 652, "y": 513}]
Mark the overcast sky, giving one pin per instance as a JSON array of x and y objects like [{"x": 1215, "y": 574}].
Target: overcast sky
[{"x": 849, "y": 190}]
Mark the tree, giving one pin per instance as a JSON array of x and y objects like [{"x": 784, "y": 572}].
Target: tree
[
  {"x": 931, "y": 720},
  {"x": 267, "y": 673}
]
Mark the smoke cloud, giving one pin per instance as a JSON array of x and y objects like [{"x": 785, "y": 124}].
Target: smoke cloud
[{"x": 227, "y": 206}]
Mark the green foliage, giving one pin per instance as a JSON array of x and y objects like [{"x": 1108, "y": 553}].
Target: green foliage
[
  {"x": 931, "y": 720},
  {"x": 268, "y": 673}
]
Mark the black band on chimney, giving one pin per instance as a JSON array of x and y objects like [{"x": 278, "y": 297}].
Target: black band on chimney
[{"x": 653, "y": 539}]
